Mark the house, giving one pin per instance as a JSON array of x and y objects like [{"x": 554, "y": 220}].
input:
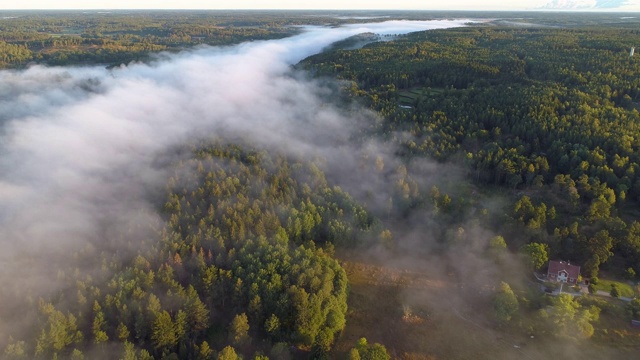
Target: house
[{"x": 562, "y": 271}]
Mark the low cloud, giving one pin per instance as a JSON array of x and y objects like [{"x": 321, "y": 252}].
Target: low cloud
[{"x": 84, "y": 149}]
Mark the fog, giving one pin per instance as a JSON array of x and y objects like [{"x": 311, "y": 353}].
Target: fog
[
  {"x": 84, "y": 150},
  {"x": 77, "y": 139}
]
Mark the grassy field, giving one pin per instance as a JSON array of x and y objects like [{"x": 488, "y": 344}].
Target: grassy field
[
  {"x": 408, "y": 97},
  {"x": 625, "y": 289},
  {"x": 418, "y": 315},
  {"x": 613, "y": 329}
]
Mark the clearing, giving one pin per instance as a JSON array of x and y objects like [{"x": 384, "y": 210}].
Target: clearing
[
  {"x": 409, "y": 97},
  {"x": 416, "y": 314}
]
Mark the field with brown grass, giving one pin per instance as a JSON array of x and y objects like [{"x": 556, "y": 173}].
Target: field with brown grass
[{"x": 418, "y": 316}]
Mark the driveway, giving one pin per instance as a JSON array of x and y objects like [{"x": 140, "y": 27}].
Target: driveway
[{"x": 604, "y": 293}]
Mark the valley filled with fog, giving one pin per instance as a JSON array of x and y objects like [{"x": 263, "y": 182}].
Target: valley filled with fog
[{"x": 291, "y": 195}]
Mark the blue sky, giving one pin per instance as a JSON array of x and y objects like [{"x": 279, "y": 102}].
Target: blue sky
[{"x": 624, "y": 5}]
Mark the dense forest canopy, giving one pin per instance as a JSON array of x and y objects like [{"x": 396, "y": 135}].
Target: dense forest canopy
[
  {"x": 487, "y": 151},
  {"x": 550, "y": 113},
  {"x": 237, "y": 261}
]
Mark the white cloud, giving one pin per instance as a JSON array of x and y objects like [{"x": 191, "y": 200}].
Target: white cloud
[
  {"x": 571, "y": 4},
  {"x": 610, "y": 5}
]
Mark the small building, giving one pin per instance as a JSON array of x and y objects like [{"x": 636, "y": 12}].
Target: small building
[
  {"x": 633, "y": 50},
  {"x": 563, "y": 271}
]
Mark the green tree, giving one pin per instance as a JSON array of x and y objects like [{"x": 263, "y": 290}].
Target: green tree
[
  {"x": 600, "y": 209},
  {"x": 591, "y": 267},
  {"x": 16, "y": 350},
  {"x": 144, "y": 355},
  {"x": 196, "y": 310},
  {"x": 601, "y": 244},
  {"x": 99, "y": 335},
  {"x": 536, "y": 255},
  {"x": 129, "y": 352},
  {"x": 497, "y": 247},
  {"x": 180, "y": 325},
  {"x": 569, "y": 319},
  {"x": 505, "y": 302},
  {"x": 272, "y": 325},
  {"x": 634, "y": 309},
  {"x": 365, "y": 351},
  {"x": 239, "y": 330},
  {"x": 354, "y": 354},
  {"x": 59, "y": 332},
  {"x": 497, "y": 242},
  {"x": 228, "y": 353},
  {"x": 614, "y": 291},
  {"x": 204, "y": 351},
  {"x": 122, "y": 332},
  {"x": 164, "y": 333},
  {"x": 630, "y": 273},
  {"x": 76, "y": 355}
]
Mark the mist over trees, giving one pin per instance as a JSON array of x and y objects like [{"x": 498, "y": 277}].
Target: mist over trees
[
  {"x": 236, "y": 263},
  {"x": 208, "y": 204}
]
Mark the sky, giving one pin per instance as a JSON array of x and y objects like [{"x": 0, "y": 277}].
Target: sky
[{"x": 622, "y": 5}]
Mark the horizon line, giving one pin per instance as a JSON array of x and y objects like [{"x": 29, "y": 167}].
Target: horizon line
[{"x": 586, "y": 10}]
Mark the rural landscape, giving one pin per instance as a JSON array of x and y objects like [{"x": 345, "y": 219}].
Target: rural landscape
[{"x": 311, "y": 184}]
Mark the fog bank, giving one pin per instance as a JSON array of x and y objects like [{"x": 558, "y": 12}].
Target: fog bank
[{"x": 84, "y": 149}]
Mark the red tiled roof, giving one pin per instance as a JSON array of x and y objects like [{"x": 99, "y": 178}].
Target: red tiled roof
[{"x": 572, "y": 270}]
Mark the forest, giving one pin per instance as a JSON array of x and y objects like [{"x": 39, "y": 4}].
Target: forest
[
  {"x": 235, "y": 264},
  {"x": 530, "y": 124},
  {"x": 120, "y": 37},
  {"x": 551, "y": 115}
]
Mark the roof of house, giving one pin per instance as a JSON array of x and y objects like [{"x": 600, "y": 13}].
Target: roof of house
[{"x": 573, "y": 271}]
